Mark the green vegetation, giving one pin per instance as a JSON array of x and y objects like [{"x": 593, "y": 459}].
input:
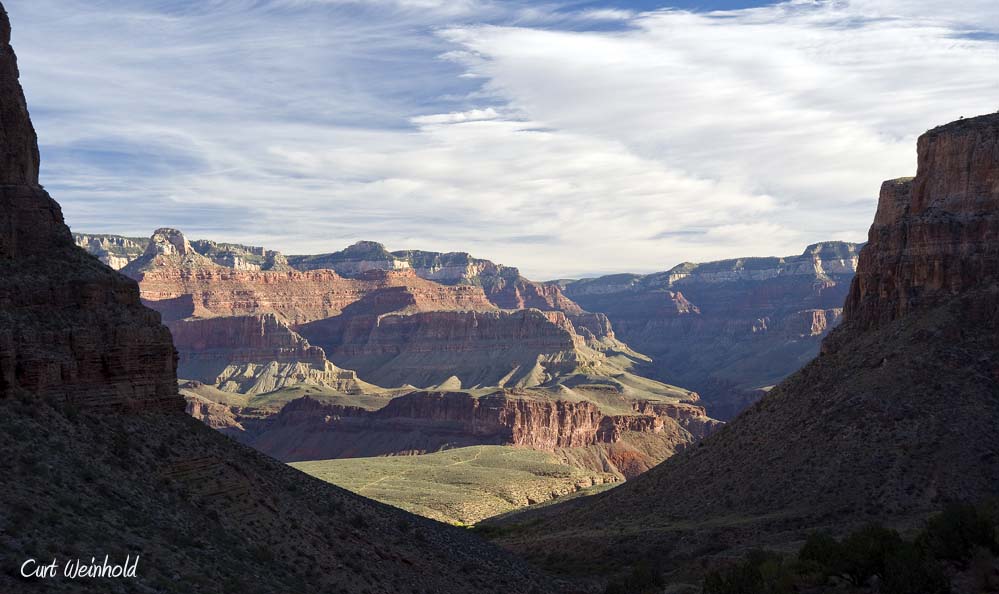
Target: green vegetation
[
  {"x": 962, "y": 535},
  {"x": 762, "y": 572},
  {"x": 460, "y": 486},
  {"x": 643, "y": 579}
]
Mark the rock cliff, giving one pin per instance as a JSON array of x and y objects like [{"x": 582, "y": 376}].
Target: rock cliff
[
  {"x": 430, "y": 421},
  {"x": 255, "y": 354},
  {"x": 114, "y": 250},
  {"x": 503, "y": 285},
  {"x": 727, "y": 329},
  {"x": 180, "y": 282},
  {"x": 933, "y": 236},
  {"x": 70, "y": 328},
  {"x": 893, "y": 419}
]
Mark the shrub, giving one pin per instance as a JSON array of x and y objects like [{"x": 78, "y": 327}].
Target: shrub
[
  {"x": 955, "y": 533},
  {"x": 358, "y": 521},
  {"x": 823, "y": 550},
  {"x": 643, "y": 579},
  {"x": 908, "y": 571},
  {"x": 863, "y": 553},
  {"x": 762, "y": 572}
]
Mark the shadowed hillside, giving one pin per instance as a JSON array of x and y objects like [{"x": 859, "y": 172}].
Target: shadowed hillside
[{"x": 895, "y": 418}]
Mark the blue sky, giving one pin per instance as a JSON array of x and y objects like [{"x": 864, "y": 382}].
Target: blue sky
[{"x": 565, "y": 138}]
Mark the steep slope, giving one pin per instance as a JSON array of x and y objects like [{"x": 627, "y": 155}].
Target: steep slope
[
  {"x": 894, "y": 418},
  {"x": 727, "y": 329},
  {"x": 255, "y": 354},
  {"x": 517, "y": 348},
  {"x": 99, "y": 457}
]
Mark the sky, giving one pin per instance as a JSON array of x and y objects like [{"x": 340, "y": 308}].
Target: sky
[{"x": 566, "y": 138}]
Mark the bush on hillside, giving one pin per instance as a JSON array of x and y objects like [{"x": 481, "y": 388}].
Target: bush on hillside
[
  {"x": 955, "y": 533},
  {"x": 762, "y": 572},
  {"x": 909, "y": 570},
  {"x": 642, "y": 579}
]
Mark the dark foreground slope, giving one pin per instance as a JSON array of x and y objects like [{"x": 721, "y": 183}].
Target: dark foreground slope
[
  {"x": 100, "y": 459},
  {"x": 895, "y": 417}
]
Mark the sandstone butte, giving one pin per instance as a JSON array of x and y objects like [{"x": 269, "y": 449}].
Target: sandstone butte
[
  {"x": 894, "y": 418},
  {"x": 99, "y": 457}
]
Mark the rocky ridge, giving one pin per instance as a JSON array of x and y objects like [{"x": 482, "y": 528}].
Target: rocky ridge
[
  {"x": 255, "y": 354},
  {"x": 114, "y": 250}
]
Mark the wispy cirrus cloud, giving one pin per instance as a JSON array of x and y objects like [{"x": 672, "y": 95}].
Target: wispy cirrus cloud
[{"x": 615, "y": 140}]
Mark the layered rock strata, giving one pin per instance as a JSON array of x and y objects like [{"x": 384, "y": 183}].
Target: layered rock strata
[
  {"x": 429, "y": 421},
  {"x": 727, "y": 329},
  {"x": 254, "y": 354}
]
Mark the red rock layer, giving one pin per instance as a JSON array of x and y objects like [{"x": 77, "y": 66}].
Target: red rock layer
[
  {"x": 934, "y": 235},
  {"x": 522, "y": 293},
  {"x": 428, "y": 421},
  {"x": 298, "y": 297},
  {"x": 240, "y": 339},
  {"x": 70, "y": 328}
]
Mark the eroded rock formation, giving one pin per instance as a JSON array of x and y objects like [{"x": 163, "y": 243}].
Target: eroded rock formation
[
  {"x": 430, "y": 421},
  {"x": 70, "y": 328},
  {"x": 731, "y": 328},
  {"x": 254, "y": 354}
]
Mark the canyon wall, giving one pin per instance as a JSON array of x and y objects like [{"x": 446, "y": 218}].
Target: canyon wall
[
  {"x": 933, "y": 236},
  {"x": 114, "y": 250},
  {"x": 254, "y": 354},
  {"x": 70, "y": 328},
  {"x": 728, "y": 329},
  {"x": 429, "y": 421}
]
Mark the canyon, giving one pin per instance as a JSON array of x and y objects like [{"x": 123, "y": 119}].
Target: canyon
[
  {"x": 894, "y": 419},
  {"x": 728, "y": 330},
  {"x": 100, "y": 457},
  {"x": 388, "y": 353},
  {"x": 731, "y": 329}
]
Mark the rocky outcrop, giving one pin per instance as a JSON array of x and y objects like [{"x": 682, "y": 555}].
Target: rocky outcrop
[
  {"x": 429, "y": 421},
  {"x": 180, "y": 282},
  {"x": 727, "y": 329},
  {"x": 895, "y": 417},
  {"x": 503, "y": 285},
  {"x": 518, "y": 348},
  {"x": 933, "y": 236},
  {"x": 70, "y": 328},
  {"x": 114, "y": 250},
  {"x": 254, "y": 355},
  {"x": 353, "y": 261},
  {"x": 241, "y": 257}
]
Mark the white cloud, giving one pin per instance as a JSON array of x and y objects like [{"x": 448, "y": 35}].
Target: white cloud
[{"x": 305, "y": 125}]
